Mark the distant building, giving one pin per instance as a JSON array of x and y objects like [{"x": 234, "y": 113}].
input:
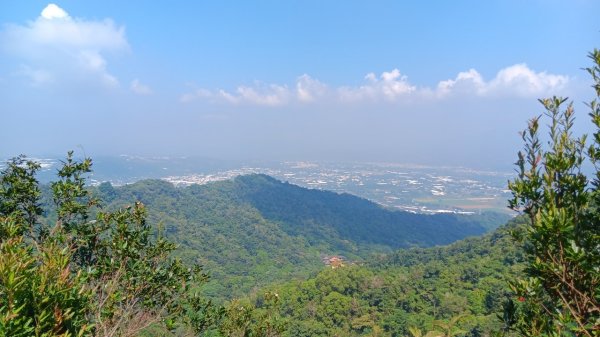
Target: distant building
[{"x": 334, "y": 261}]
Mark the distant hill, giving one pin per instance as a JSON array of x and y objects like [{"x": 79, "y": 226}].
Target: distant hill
[
  {"x": 254, "y": 230},
  {"x": 315, "y": 213}
]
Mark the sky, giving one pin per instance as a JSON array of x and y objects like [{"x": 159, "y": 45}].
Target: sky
[{"x": 427, "y": 82}]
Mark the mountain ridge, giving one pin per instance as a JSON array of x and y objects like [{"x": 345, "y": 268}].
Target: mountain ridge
[{"x": 255, "y": 229}]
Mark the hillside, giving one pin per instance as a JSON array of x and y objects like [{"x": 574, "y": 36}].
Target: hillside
[
  {"x": 254, "y": 229},
  {"x": 460, "y": 287}
]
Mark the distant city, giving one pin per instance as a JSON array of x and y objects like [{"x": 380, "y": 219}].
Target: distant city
[
  {"x": 419, "y": 189},
  {"x": 412, "y": 188}
]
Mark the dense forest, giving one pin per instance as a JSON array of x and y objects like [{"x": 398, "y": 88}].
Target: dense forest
[
  {"x": 460, "y": 288},
  {"x": 254, "y": 230}
]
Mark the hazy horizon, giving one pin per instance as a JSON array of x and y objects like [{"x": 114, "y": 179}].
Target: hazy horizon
[{"x": 423, "y": 83}]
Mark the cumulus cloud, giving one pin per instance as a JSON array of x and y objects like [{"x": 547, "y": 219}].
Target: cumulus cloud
[
  {"x": 513, "y": 81},
  {"x": 309, "y": 89},
  {"x": 271, "y": 95},
  {"x": 64, "y": 48},
  {"x": 520, "y": 80},
  {"x": 52, "y": 11},
  {"x": 259, "y": 94},
  {"x": 465, "y": 82},
  {"x": 141, "y": 89},
  {"x": 389, "y": 86},
  {"x": 517, "y": 80}
]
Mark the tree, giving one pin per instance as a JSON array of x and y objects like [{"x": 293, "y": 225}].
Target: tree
[
  {"x": 39, "y": 293},
  {"x": 83, "y": 276},
  {"x": 560, "y": 293},
  {"x": 19, "y": 192},
  {"x": 448, "y": 329}
]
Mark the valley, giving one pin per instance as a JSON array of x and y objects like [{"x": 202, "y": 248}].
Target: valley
[{"x": 409, "y": 187}]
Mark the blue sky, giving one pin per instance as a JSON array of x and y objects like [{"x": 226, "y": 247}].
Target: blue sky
[{"x": 440, "y": 82}]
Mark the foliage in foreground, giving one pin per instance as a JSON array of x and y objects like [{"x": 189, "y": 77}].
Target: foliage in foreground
[
  {"x": 560, "y": 291},
  {"x": 106, "y": 276}
]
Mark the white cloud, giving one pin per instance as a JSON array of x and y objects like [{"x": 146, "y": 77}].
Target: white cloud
[
  {"x": 141, "y": 89},
  {"x": 309, "y": 89},
  {"x": 271, "y": 95},
  {"x": 520, "y": 80},
  {"x": 517, "y": 80},
  {"x": 223, "y": 95},
  {"x": 389, "y": 86},
  {"x": 196, "y": 94},
  {"x": 513, "y": 81},
  {"x": 465, "y": 82},
  {"x": 259, "y": 94},
  {"x": 67, "y": 49},
  {"x": 52, "y": 11}
]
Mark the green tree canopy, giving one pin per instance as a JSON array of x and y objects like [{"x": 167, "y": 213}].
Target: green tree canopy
[
  {"x": 560, "y": 291},
  {"x": 91, "y": 272}
]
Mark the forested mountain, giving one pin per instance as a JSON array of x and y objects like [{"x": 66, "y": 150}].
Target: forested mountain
[
  {"x": 457, "y": 290},
  {"x": 254, "y": 229}
]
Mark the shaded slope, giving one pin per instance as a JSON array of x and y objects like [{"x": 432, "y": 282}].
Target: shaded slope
[{"x": 303, "y": 211}]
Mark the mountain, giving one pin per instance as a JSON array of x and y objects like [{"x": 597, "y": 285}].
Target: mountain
[{"x": 255, "y": 230}]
